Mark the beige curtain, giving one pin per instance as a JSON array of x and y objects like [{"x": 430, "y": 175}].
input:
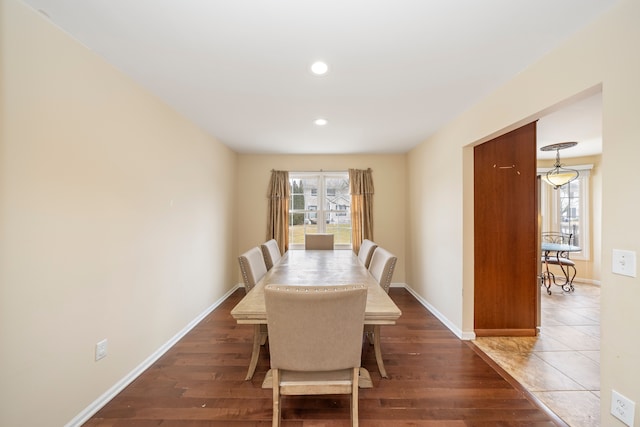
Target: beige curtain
[
  {"x": 361, "y": 188},
  {"x": 278, "y": 220}
]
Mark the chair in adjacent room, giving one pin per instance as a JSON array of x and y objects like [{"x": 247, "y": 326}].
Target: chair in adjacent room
[
  {"x": 253, "y": 267},
  {"x": 561, "y": 259},
  {"x": 270, "y": 253},
  {"x": 382, "y": 265},
  {"x": 315, "y": 341},
  {"x": 316, "y": 241},
  {"x": 366, "y": 251}
]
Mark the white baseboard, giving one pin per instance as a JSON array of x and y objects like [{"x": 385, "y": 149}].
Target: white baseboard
[
  {"x": 466, "y": 336},
  {"x": 94, "y": 407},
  {"x": 441, "y": 317}
]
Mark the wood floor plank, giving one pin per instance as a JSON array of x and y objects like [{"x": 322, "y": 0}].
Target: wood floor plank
[{"x": 435, "y": 379}]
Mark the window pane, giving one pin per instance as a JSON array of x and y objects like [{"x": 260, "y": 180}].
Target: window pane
[
  {"x": 320, "y": 204},
  {"x": 338, "y": 205},
  {"x": 570, "y": 210},
  {"x": 341, "y": 232},
  {"x": 337, "y": 187}
]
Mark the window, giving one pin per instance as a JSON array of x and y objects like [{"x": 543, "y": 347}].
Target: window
[
  {"x": 566, "y": 210},
  {"x": 320, "y": 203}
]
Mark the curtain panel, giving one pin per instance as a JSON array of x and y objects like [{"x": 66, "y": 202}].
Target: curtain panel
[
  {"x": 361, "y": 189},
  {"x": 278, "y": 210}
]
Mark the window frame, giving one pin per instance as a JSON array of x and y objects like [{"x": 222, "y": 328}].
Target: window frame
[
  {"x": 322, "y": 206},
  {"x": 551, "y": 206}
]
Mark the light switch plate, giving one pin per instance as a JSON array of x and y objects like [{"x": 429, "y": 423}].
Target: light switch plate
[{"x": 624, "y": 262}]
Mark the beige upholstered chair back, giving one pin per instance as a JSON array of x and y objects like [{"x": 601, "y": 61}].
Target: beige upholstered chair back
[
  {"x": 252, "y": 267},
  {"x": 366, "y": 251},
  {"x": 381, "y": 267},
  {"x": 318, "y": 241},
  {"x": 271, "y": 253},
  {"x": 315, "y": 328}
]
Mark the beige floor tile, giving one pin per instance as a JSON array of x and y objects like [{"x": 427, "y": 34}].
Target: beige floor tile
[
  {"x": 549, "y": 318},
  {"x": 561, "y": 366},
  {"x": 505, "y": 344},
  {"x": 593, "y": 355},
  {"x": 574, "y": 365},
  {"x": 565, "y": 317},
  {"x": 572, "y": 337},
  {"x": 577, "y": 408},
  {"x": 520, "y": 344},
  {"x": 537, "y": 375},
  {"x": 592, "y": 330}
]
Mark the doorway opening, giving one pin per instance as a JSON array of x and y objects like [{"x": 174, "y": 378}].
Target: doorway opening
[{"x": 560, "y": 366}]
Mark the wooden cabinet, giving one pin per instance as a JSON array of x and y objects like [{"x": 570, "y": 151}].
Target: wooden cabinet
[{"x": 505, "y": 240}]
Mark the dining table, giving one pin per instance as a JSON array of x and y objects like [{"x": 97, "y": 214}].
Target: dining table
[
  {"x": 555, "y": 253},
  {"x": 317, "y": 268}
]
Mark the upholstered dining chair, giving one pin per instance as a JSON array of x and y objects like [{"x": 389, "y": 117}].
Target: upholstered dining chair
[
  {"x": 366, "y": 251},
  {"x": 318, "y": 241},
  {"x": 253, "y": 268},
  {"x": 382, "y": 265},
  {"x": 270, "y": 253},
  {"x": 315, "y": 341}
]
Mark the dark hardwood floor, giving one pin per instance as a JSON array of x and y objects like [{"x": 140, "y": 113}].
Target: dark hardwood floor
[{"x": 435, "y": 379}]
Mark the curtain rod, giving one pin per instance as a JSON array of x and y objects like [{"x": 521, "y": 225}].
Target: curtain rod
[{"x": 322, "y": 170}]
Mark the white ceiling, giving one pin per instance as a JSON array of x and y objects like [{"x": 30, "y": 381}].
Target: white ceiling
[
  {"x": 399, "y": 69},
  {"x": 580, "y": 121}
]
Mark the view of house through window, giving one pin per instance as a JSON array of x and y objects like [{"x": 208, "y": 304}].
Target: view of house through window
[{"x": 320, "y": 203}]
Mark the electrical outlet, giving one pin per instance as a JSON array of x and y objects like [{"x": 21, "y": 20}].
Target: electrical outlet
[
  {"x": 101, "y": 349},
  {"x": 622, "y": 408},
  {"x": 624, "y": 262}
]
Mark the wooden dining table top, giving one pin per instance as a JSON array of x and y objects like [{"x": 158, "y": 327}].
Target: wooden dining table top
[{"x": 313, "y": 268}]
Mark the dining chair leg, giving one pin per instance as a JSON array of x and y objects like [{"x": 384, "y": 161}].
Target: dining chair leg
[
  {"x": 255, "y": 352},
  {"x": 378, "y": 351},
  {"x": 565, "y": 272},
  {"x": 354, "y": 397},
  {"x": 546, "y": 278},
  {"x": 568, "y": 285},
  {"x": 276, "y": 397}
]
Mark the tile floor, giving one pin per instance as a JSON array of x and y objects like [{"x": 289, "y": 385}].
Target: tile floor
[{"x": 561, "y": 366}]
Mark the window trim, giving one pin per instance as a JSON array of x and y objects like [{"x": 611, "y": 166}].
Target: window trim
[{"x": 321, "y": 208}]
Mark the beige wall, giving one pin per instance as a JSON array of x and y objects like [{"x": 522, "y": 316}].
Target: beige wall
[
  {"x": 605, "y": 54},
  {"x": 115, "y": 213},
  {"x": 254, "y": 172},
  {"x": 114, "y": 222}
]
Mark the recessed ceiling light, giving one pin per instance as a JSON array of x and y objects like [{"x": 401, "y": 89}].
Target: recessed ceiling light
[
  {"x": 319, "y": 68},
  {"x": 320, "y": 122}
]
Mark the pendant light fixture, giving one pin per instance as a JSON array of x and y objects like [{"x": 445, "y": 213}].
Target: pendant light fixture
[{"x": 559, "y": 175}]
